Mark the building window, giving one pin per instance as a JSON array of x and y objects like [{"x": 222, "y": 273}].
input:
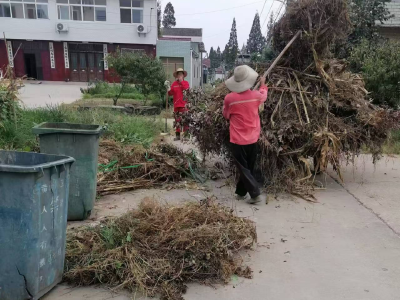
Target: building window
[
  {"x": 171, "y": 64},
  {"x": 131, "y": 11},
  {"x": 82, "y": 10},
  {"x": 136, "y": 51},
  {"x": 24, "y": 9}
]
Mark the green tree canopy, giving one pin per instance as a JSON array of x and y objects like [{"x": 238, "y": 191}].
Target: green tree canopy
[
  {"x": 169, "y": 16},
  {"x": 232, "y": 48},
  {"x": 145, "y": 71},
  {"x": 256, "y": 41}
]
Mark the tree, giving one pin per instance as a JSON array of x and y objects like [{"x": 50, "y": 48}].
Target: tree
[
  {"x": 145, "y": 71},
  {"x": 169, "y": 16},
  {"x": 159, "y": 17},
  {"x": 379, "y": 64},
  {"x": 270, "y": 27},
  {"x": 219, "y": 56},
  {"x": 364, "y": 15},
  {"x": 244, "y": 49},
  {"x": 232, "y": 48},
  {"x": 256, "y": 41},
  {"x": 215, "y": 62}
]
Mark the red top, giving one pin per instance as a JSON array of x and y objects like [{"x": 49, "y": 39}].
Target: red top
[
  {"x": 242, "y": 111},
  {"x": 177, "y": 89}
]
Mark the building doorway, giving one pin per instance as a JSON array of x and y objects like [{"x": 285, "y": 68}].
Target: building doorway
[
  {"x": 87, "y": 62},
  {"x": 30, "y": 65}
]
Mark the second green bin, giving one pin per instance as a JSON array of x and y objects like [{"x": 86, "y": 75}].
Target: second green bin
[{"x": 82, "y": 143}]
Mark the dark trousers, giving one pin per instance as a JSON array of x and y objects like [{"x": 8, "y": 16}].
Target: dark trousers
[{"x": 245, "y": 159}]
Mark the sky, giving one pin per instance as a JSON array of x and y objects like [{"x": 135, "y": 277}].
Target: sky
[{"x": 217, "y": 25}]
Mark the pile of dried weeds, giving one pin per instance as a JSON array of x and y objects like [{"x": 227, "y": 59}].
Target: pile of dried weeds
[
  {"x": 159, "y": 249},
  {"x": 315, "y": 110},
  {"x": 124, "y": 168}
]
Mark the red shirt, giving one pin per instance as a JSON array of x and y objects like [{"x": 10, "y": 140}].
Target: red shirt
[
  {"x": 177, "y": 89},
  {"x": 242, "y": 111}
]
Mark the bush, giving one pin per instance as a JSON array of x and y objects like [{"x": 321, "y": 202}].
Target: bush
[
  {"x": 146, "y": 72},
  {"x": 379, "y": 64}
]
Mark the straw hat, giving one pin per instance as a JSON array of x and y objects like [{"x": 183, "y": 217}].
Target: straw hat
[
  {"x": 180, "y": 70},
  {"x": 242, "y": 80}
]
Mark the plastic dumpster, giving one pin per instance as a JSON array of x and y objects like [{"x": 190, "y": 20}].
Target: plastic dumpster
[
  {"x": 82, "y": 143},
  {"x": 33, "y": 221}
]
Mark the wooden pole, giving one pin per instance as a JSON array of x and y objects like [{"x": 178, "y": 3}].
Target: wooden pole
[
  {"x": 166, "y": 112},
  {"x": 279, "y": 57}
]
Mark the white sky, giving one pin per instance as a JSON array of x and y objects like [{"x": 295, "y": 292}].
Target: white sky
[{"x": 217, "y": 25}]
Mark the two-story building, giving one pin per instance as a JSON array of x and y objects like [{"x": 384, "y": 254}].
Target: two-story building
[{"x": 69, "y": 39}]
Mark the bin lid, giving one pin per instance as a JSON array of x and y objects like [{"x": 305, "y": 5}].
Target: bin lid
[
  {"x": 28, "y": 162},
  {"x": 49, "y": 128}
]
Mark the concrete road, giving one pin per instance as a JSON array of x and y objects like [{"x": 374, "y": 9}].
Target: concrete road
[
  {"x": 343, "y": 247},
  {"x": 42, "y": 93}
]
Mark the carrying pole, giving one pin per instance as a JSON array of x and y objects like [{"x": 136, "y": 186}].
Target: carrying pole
[{"x": 279, "y": 57}]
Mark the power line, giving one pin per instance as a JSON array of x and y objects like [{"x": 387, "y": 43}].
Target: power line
[
  {"x": 263, "y": 7},
  {"x": 277, "y": 16},
  {"x": 272, "y": 4}
]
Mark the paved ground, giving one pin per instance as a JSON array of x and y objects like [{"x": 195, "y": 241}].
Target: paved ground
[
  {"x": 344, "y": 247},
  {"x": 42, "y": 93}
]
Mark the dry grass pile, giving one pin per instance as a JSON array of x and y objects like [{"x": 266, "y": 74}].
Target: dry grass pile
[
  {"x": 316, "y": 109},
  {"x": 159, "y": 249},
  {"x": 124, "y": 168}
]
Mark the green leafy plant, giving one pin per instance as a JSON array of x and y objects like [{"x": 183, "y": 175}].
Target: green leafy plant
[
  {"x": 146, "y": 72},
  {"x": 379, "y": 63}
]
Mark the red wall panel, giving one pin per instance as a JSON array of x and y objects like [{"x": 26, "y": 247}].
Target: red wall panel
[
  {"x": 47, "y": 74},
  {"x": 19, "y": 63},
  {"x": 3, "y": 56}
]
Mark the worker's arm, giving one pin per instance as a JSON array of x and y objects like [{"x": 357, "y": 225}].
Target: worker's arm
[
  {"x": 185, "y": 85},
  {"x": 263, "y": 90},
  {"x": 225, "y": 111},
  {"x": 171, "y": 90}
]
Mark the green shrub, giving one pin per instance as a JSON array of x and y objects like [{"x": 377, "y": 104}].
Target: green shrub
[{"x": 379, "y": 64}]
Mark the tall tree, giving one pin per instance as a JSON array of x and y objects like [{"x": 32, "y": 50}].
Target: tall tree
[
  {"x": 232, "y": 48},
  {"x": 219, "y": 56},
  {"x": 213, "y": 59},
  {"x": 244, "y": 49},
  {"x": 270, "y": 27},
  {"x": 159, "y": 15},
  {"x": 169, "y": 16},
  {"x": 256, "y": 41}
]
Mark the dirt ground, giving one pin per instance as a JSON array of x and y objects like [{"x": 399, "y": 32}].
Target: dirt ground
[{"x": 346, "y": 246}]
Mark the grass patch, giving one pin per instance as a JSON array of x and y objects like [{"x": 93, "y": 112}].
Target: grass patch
[
  {"x": 105, "y": 90},
  {"x": 393, "y": 144},
  {"x": 119, "y": 127}
]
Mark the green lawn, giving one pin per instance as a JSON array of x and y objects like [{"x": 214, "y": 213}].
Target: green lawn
[{"x": 120, "y": 127}]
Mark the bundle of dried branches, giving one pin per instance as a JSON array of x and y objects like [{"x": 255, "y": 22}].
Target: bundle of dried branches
[
  {"x": 321, "y": 112},
  {"x": 124, "y": 168},
  {"x": 158, "y": 249}
]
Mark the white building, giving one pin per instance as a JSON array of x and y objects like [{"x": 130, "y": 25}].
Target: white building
[{"x": 68, "y": 39}]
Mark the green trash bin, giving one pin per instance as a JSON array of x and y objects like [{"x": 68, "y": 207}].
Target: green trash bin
[
  {"x": 33, "y": 221},
  {"x": 82, "y": 143}
]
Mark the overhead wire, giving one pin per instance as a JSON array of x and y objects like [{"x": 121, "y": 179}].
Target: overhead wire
[
  {"x": 277, "y": 16},
  {"x": 272, "y": 4},
  {"x": 265, "y": 2}
]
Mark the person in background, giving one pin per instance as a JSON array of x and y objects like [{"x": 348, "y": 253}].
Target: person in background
[
  {"x": 176, "y": 90},
  {"x": 241, "y": 108}
]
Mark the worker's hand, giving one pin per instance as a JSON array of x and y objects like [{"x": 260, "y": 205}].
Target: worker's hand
[
  {"x": 263, "y": 80},
  {"x": 167, "y": 84}
]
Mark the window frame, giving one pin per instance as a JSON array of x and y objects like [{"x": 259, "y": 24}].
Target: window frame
[
  {"x": 81, "y": 5},
  {"x": 26, "y": 2},
  {"x": 131, "y": 9}
]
